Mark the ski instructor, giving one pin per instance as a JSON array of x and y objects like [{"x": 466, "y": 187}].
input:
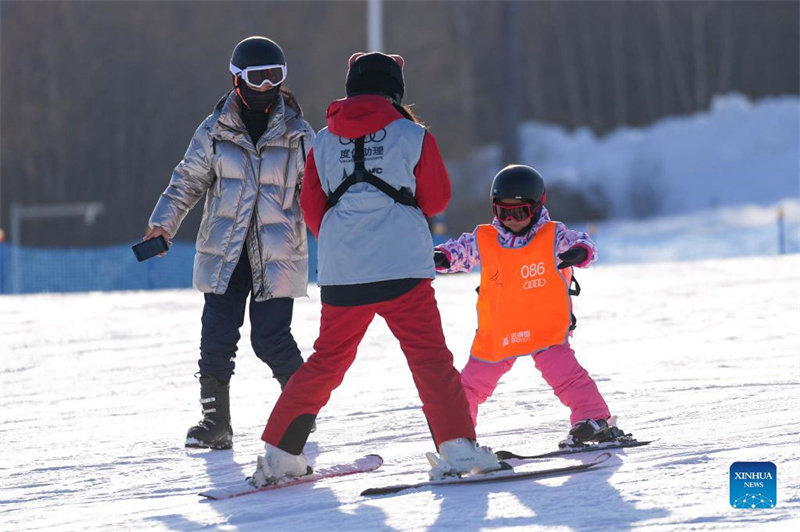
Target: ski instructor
[
  {"x": 248, "y": 159},
  {"x": 373, "y": 177}
]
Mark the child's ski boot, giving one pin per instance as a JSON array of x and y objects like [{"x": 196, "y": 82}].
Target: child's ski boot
[{"x": 590, "y": 432}]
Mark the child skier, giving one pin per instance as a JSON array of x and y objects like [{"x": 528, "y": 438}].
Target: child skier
[
  {"x": 524, "y": 305},
  {"x": 373, "y": 176}
]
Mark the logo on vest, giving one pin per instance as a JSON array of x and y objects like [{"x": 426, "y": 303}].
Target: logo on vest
[
  {"x": 534, "y": 283},
  {"x": 372, "y": 153},
  {"x": 517, "y": 338},
  {"x": 377, "y": 136},
  {"x": 531, "y": 273}
]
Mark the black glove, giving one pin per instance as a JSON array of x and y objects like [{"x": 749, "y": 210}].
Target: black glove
[
  {"x": 572, "y": 256},
  {"x": 440, "y": 259}
]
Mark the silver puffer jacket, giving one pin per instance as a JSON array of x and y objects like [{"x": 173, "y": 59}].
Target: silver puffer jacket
[{"x": 252, "y": 198}]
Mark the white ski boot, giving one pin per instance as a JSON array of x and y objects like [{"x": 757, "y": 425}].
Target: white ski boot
[
  {"x": 461, "y": 456},
  {"x": 277, "y": 464}
]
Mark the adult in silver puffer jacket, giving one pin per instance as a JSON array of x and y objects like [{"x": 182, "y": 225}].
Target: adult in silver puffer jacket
[
  {"x": 262, "y": 212},
  {"x": 248, "y": 159}
]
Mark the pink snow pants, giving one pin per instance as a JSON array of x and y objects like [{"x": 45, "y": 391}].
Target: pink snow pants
[{"x": 570, "y": 382}]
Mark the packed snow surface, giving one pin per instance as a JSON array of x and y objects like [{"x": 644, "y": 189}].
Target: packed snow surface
[{"x": 97, "y": 393}]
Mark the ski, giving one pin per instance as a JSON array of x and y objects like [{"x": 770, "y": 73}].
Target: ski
[
  {"x": 371, "y": 462},
  {"x": 497, "y": 476},
  {"x": 507, "y": 455}
]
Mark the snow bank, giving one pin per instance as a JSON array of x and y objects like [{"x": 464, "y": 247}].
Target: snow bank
[{"x": 737, "y": 152}]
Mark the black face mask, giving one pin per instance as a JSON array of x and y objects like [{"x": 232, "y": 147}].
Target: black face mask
[{"x": 255, "y": 101}]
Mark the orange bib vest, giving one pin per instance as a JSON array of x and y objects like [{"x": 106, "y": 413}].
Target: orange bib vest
[{"x": 523, "y": 304}]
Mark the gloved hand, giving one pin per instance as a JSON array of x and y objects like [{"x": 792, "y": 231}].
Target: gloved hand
[
  {"x": 440, "y": 259},
  {"x": 573, "y": 256}
]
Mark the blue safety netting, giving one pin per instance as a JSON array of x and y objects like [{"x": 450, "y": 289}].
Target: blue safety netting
[{"x": 28, "y": 270}]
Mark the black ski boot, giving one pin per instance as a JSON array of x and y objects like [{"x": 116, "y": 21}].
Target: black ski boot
[
  {"x": 214, "y": 430},
  {"x": 283, "y": 380},
  {"x": 593, "y": 431}
]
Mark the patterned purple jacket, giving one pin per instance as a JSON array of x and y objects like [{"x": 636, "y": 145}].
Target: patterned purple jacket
[{"x": 463, "y": 251}]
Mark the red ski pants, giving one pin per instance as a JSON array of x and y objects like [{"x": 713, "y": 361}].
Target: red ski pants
[{"x": 414, "y": 320}]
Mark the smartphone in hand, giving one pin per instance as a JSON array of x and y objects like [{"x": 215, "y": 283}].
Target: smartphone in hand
[{"x": 150, "y": 248}]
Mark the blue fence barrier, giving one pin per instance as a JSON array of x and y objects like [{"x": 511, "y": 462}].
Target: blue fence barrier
[
  {"x": 25, "y": 270},
  {"x": 29, "y": 270}
]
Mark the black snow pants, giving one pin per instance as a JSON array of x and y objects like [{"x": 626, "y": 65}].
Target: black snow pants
[{"x": 270, "y": 321}]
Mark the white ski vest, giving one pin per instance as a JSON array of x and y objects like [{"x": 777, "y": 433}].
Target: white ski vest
[{"x": 368, "y": 237}]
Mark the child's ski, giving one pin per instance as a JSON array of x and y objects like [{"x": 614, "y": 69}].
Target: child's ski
[
  {"x": 370, "y": 462},
  {"x": 507, "y": 455},
  {"x": 498, "y": 476}
]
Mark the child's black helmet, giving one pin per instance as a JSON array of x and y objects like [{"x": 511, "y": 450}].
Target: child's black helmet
[{"x": 519, "y": 182}]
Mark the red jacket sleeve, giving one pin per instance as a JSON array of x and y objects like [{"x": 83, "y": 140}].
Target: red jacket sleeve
[
  {"x": 313, "y": 200},
  {"x": 433, "y": 183}
]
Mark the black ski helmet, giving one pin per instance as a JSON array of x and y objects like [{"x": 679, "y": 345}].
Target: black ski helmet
[
  {"x": 375, "y": 73},
  {"x": 519, "y": 182},
  {"x": 253, "y": 52},
  {"x": 257, "y": 51}
]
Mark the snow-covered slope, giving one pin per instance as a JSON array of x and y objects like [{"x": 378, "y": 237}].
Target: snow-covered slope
[{"x": 97, "y": 392}]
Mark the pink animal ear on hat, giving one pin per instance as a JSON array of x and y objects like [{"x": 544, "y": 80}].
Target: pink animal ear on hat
[
  {"x": 398, "y": 59},
  {"x": 354, "y": 57}
]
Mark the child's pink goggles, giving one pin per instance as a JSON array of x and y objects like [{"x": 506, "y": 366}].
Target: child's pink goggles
[{"x": 514, "y": 211}]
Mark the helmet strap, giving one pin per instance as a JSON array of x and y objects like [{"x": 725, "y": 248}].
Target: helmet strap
[{"x": 236, "y": 86}]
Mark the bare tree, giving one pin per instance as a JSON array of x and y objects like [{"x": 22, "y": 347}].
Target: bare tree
[
  {"x": 699, "y": 10},
  {"x": 569, "y": 63},
  {"x": 645, "y": 59},
  {"x": 464, "y": 18},
  {"x": 726, "y": 53},
  {"x": 589, "y": 50},
  {"x": 618, "y": 62},
  {"x": 669, "y": 43}
]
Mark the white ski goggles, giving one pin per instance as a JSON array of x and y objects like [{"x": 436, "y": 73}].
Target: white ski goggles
[{"x": 258, "y": 76}]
